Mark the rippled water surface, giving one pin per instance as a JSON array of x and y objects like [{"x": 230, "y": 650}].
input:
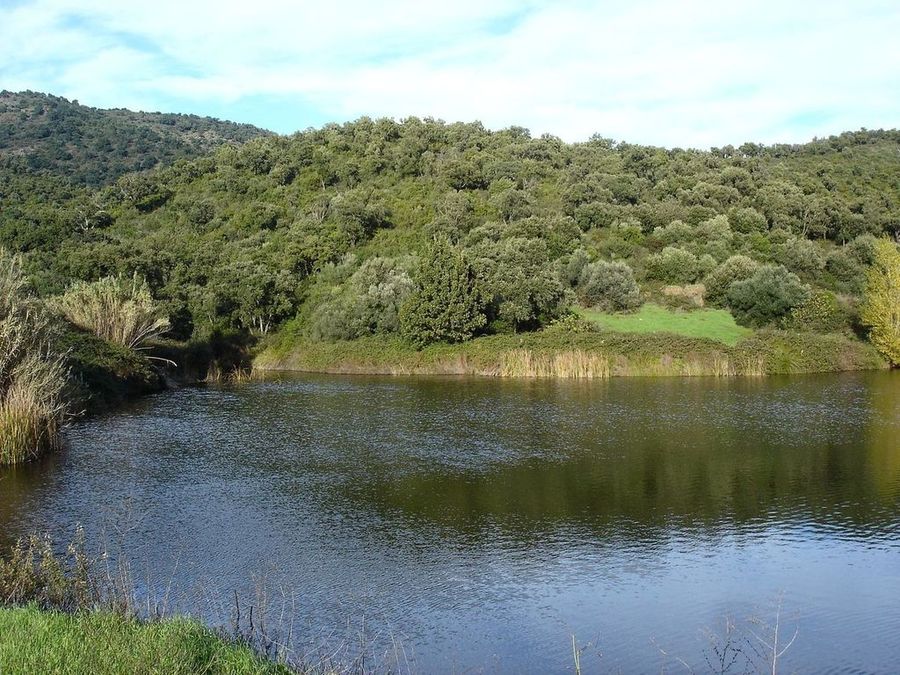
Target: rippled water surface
[{"x": 481, "y": 523}]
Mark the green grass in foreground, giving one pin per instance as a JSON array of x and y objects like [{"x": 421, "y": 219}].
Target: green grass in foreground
[
  {"x": 714, "y": 324},
  {"x": 97, "y": 643}
]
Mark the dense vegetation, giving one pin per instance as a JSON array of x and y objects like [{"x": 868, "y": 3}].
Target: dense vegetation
[
  {"x": 91, "y": 147},
  {"x": 426, "y": 231}
]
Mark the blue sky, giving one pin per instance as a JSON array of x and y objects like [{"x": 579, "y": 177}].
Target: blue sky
[{"x": 690, "y": 73}]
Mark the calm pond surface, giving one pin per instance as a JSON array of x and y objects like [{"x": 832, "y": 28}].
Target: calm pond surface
[{"x": 481, "y": 523}]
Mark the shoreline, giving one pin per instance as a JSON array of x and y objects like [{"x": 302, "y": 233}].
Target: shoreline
[{"x": 578, "y": 355}]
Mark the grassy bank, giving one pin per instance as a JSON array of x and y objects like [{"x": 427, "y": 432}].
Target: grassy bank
[
  {"x": 560, "y": 351},
  {"x": 715, "y": 324},
  {"x": 35, "y": 641}
]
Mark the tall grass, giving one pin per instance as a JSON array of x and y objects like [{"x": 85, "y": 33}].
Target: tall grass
[
  {"x": 577, "y": 364},
  {"x": 32, "y": 377},
  {"x": 578, "y": 354},
  {"x": 116, "y": 308}
]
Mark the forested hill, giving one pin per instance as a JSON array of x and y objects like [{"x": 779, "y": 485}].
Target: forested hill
[
  {"x": 332, "y": 226},
  {"x": 92, "y": 147}
]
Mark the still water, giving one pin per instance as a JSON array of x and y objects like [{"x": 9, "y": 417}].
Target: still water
[{"x": 477, "y": 525}]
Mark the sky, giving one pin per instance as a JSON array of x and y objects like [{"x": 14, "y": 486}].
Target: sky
[{"x": 690, "y": 73}]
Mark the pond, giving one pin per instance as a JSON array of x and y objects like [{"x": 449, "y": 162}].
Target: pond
[{"x": 466, "y": 524}]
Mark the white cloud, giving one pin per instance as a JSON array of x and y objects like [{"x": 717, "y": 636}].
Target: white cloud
[{"x": 699, "y": 72}]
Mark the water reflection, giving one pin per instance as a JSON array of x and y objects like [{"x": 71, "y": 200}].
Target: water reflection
[{"x": 488, "y": 520}]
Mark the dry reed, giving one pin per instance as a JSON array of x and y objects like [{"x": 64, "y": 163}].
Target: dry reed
[
  {"x": 117, "y": 309},
  {"x": 32, "y": 377}
]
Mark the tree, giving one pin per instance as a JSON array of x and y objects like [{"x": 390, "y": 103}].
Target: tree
[
  {"x": 447, "y": 303},
  {"x": 765, "y": 297},
  {"x": 674, "y": 265},
  {"x": 881, "y": 304},
  {"x": 609, "y": 286},
  {"x": 717, "y": 282}
]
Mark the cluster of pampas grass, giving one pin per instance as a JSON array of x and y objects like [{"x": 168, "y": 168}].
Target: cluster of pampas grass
[
  {"x": 32, "y": 378},
  {"x": 118, "y": 309}
]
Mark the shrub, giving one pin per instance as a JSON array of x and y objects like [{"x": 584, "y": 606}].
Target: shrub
[
  {"x": 746, "y": 220},
  {"x": 863, "y": 248},
  {"x": 368, "y": 303},
  {"x": 881, "y": 303},
  {"x": 843, "y": 266},
  {"x": 766, "y": 296},
  {"x": 570, "y": 268},
  {"x": 802, "y": 255},
  {"x": 819, "y": 313},
  {"x": 717, "y": 228},
  {"x": 609, "y": 286},
  {"x": 117, "y": 309},
  {"x": 447, "y": 303},
  {"x": 675, "y": 232},
  {"x": 32, "y": 377},
  {"x": 717, "y": 282},
  {"x": 674, "y": 265}
]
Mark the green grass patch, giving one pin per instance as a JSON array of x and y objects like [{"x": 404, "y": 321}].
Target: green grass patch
[
  {"x": 713, "y": 324},
  {"x": 96, "y": 643}
]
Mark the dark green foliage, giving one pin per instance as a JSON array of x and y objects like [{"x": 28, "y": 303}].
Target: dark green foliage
[
  {"x": 104, "y": 374},
  {"x": 368, "y": 303},
  {"x": 766, "y": 296},
  {"x": 94, "y": 147},
  {"x": 717, "y": 282},
  {"x": 246, "y": 236},
  {"x": 446, "y": 305},
  {"x": 609, "y": 286},
  {"x": 519, "y": 284}
]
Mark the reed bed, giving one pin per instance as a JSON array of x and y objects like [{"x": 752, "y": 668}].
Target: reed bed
[
  {"x": 574, "y": 364},
  {"x": 32, "y": 378},
  {"x": 573, "y": 355}
]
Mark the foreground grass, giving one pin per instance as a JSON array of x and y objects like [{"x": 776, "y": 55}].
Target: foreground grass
[
  {"x": 34, "y": 641},
  {"x": 714, "y": 324},
  {"x": 582, "y": 353}
]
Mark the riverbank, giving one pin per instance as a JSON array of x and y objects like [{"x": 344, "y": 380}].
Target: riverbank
[
  {"x": 565, "y": 353},
  {"x": 96, "y": 642}
]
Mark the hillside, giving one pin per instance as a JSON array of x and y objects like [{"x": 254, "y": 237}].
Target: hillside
[
  {"x": 334, "y": 229},
  {"x": 92, "y": 147}
]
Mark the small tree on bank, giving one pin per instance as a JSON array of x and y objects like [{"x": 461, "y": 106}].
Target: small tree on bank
[
  {"x": 447, "y": 304},
  {"x": 881, "y": 305}
]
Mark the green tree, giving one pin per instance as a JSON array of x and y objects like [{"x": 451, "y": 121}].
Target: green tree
[
  {"x": 766, "y": 296},
  {"x": 609, "y": 286},
  {"x": 717, "y": 282},
  {"x": 881, "y": 304},
  {"x": 446, "y": 305}
]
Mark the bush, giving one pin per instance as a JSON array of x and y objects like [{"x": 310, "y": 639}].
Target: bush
[
  {"x": 765, "y": 297},
  {"x": 803, "y": 256},
  {"x": 446, "y": 305},
  {"x": 675, "y": 232},
  {"x": 609, "y": 286},
  {"x": 368, "y": 303},
  {"x": 117, "y": 309},
  {"x": 674, "y": 266},
  {"x": 717, "y": 282},
  {"x": 819, "y": 313},
  {"x": 747, "y": 220}
]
